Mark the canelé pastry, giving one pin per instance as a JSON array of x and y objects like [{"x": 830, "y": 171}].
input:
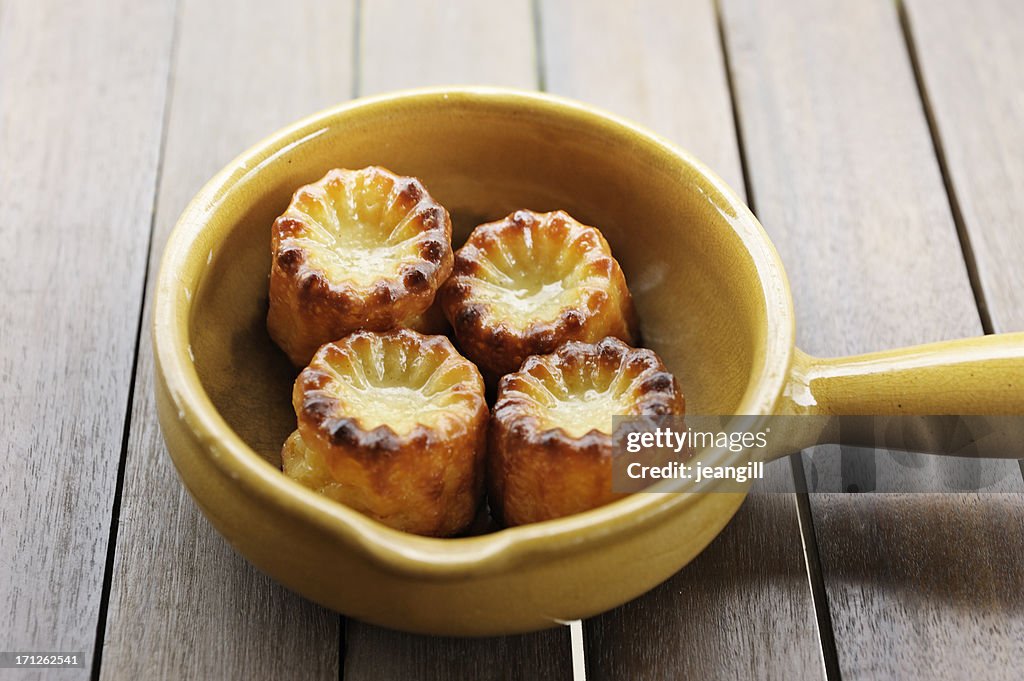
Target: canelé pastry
[
  {"x": 359, "y": 249},
  {"x": 550, "y": 451},
  {"x": 526, "y": 284},
  {"x": 394, "y": 425}
]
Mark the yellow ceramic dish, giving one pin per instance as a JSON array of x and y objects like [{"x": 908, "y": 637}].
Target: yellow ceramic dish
[{"x": 708, "y": 285}]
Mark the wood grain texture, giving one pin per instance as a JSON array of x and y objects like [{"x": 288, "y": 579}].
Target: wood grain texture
[
  {"x": 969, "y": 59},
  {"x": 420, "y": 44},
  {"x": 731, "y": 612},
  {"x": 846, "y": 182},
  {"x": 657, "y": 62},
  {"x": 182, "y": 603},
  {"x": 741, "y": 610},
  {"x": 457, "y": 42},
  {"x": 376, "y": 653},
  {"x": 78, "y": 159}
]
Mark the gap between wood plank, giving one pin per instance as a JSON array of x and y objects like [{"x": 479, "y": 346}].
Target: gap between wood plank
[
  {"x": 734, "y": 104},
  {"x": 539, "y": 57},
  {"x": 341, "y": 646},
  {"x": 812, "y": 559},
  {"x": 815, "y": 575},
  {"x": 357, "y": 83},
  {"x": 577, "y": 642},
  {"x": 579, "y": 655},
  {"x": 115, "y": 511},
  {"x": 947, "y": 179},
  {"x": 357, "y": 46}
]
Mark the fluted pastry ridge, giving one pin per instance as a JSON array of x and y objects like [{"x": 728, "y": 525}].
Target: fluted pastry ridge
[
  {"x": 394, "y": 425},
  {"x": 550, "y": 450},
  {"x": 528, "y": 283},
  {"x": 358, "y": 249}
]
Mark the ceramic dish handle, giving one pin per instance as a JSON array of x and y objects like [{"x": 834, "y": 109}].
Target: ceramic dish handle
[{"x": 969, "y": 377}]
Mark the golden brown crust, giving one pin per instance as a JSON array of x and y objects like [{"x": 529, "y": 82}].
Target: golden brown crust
[
  {"x": 527, "y": 284},
  {"x": 359, "y": 249},
  {"x": 550, "y": 441},
  {"x": 394, "y": 425}
]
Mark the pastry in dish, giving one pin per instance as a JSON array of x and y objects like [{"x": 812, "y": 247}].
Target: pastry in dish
[
  {"x": 359, "y": 249},
  {"x": 550, "y": 452},
  {"x": 526, "y": 284},
  {"x": 394, "y": 425}
]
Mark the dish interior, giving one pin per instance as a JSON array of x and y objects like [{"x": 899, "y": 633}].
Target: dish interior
[{"x": 697, "y": 290}]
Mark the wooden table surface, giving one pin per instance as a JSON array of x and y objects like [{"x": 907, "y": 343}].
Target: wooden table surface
[{"x": 880, "y": 143}]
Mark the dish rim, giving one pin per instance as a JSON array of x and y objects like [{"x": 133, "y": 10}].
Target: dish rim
[{"x": 185, "y": 257}]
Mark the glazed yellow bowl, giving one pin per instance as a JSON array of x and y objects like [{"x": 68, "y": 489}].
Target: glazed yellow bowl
[{"x": 709, "y": 289}]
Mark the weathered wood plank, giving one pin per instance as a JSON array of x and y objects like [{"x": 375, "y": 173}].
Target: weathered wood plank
[
  {"x": 458, "y": 42},
  {"x": 845, "y": 180},
  {"x": 82, "y": 91},
  {"x": 376, "y": 653},
  {"x": 657, "y": 62},
  {"x": 419, "y": 44},
  {"x": 182, "y": 603},
  {"x": 727, "y": 614},
  {"x": 968, "y": 64},
  {"x": 969, "y": 60}
]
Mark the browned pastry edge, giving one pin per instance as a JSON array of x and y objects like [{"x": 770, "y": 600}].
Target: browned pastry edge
[
  {"x": 537, "y": 473},
  {"x": 307, "y": 309},
  {"x": 497, "y": 347},
  {"x": 422, "y": 481}
]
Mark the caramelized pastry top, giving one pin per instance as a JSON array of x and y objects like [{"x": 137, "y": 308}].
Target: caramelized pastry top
[
  {"x": 578, "y": 389},
  {"x": 379, "y": 390},
  {"x": 528, "y": 283},
  {"x": 365, "y": 229},
  {"x": 393, "y": 425},
  {"x": 550, "y": 451},
  {"x": 359, "y": 249}
]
